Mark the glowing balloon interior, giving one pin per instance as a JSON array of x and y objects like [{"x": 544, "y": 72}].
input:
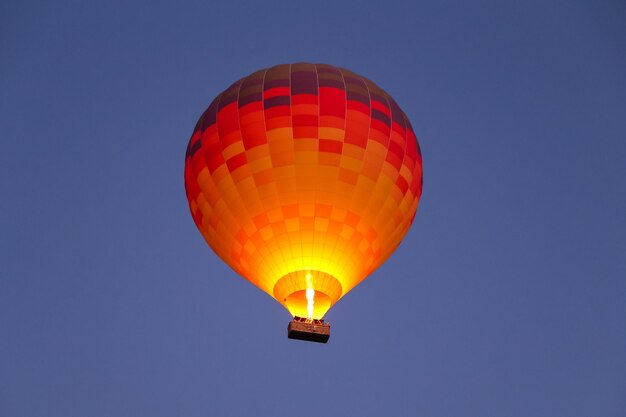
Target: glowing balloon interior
[{"x": 303, "y": 178}]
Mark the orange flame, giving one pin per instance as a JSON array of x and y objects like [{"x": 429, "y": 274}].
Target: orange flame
[{"x": 310, "y": 296}]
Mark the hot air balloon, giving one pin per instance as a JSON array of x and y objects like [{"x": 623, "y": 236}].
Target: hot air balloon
[{"x": 303, "y": 178}]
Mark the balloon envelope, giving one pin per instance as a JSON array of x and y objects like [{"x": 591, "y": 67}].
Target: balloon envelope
[{"x": 303, "y": 177}]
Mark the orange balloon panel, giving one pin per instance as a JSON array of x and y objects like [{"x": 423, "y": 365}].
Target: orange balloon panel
[{"x": 303, "y": 177}]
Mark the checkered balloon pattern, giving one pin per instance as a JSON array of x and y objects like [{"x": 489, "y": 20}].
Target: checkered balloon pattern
[{"x": 303, "y": 176}]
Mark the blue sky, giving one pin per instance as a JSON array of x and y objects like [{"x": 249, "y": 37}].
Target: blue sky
[{"x": 506, "y": 298}]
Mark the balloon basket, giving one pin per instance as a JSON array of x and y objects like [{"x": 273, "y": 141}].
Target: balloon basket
[{"x": 311, "y": 330}]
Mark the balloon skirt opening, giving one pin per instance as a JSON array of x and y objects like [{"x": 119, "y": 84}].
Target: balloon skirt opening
[
  {"x": 291, "y": 289},
  {"x": 311, "y": 330}
]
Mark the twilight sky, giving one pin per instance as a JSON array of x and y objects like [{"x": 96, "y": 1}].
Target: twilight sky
[{"x": 506, "y": 298}]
